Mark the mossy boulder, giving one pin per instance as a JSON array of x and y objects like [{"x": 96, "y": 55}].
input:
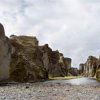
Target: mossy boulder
[{"x": 26, "y": 64}]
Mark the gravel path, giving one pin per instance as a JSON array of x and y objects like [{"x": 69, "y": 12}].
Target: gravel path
[{"x": 48, "y": 91}]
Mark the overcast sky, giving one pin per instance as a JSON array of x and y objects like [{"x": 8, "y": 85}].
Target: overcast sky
[{"x": 71, "y": 26}]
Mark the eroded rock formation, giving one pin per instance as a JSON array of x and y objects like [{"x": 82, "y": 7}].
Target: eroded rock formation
[
  {"x": 5, "y": 53},
  {"x": 98, "y": 68},
  {"x": 33, "y": 62},
  {"x": 23, "y": 60},
  {"x": 91, "y": 68},
  {"x": 54, "y": 62},
  {"x": 26, "y": 60}
]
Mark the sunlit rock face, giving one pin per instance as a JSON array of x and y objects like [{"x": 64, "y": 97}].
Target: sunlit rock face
[
  {"x": 26, "y": 60},
  {"x": 91, "y": 68},
  {"x": 5, "y": 54}
]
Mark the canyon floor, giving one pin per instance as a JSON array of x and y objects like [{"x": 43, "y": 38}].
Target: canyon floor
[{"x": 48, "y": 91}]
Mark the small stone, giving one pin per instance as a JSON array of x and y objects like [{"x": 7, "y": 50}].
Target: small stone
[{"x": 27, "y": 87}]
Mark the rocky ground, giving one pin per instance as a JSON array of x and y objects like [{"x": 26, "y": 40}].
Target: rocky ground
[{"x": 48, "y": 91}]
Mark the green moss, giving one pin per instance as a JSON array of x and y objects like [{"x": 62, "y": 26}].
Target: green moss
[
  {"x": 28, "y": 40},
  {"x": 97, "y": 79}
]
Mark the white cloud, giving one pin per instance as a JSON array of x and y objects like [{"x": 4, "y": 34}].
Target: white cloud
[{"x": 72, "y": 26}]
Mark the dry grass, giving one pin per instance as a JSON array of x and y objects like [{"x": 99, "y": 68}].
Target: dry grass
[{"x": 64, "y": 78}]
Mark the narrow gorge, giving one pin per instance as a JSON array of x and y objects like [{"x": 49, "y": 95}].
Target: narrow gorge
[{"x": 29, "y": 71}]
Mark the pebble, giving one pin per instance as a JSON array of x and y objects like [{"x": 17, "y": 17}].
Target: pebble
[{"x": 48, "y": 91}]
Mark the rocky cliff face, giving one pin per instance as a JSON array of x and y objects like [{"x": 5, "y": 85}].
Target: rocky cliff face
[
  {"x": 5, "y": 53},
  {"x": 54, "y": 62},
  {"x": 23, "y": 60},
  {"x": 31, "y": 62},
  {"x": 98, "y": 69},
  {"x": 91, "y": 68},
  {"x": 26, "y": 60}
]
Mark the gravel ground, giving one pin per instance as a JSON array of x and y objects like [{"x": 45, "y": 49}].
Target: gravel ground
[{"x": 48, "y": 91}]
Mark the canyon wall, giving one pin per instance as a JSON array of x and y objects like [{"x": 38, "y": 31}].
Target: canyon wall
[{"x": 22, "y": 59}]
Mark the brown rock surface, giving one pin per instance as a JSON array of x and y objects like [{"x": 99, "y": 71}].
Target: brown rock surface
[
  {"x": 54, "y": 62},
  {"x": 31, "y": 62},
  {"x": 26, "y": 64},
  {"x": 23, "y": 60}
]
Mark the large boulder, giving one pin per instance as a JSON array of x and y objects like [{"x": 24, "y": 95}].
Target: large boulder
[
  {"x": 5, "y": 54},
  {"x": 26, "y": 60}
]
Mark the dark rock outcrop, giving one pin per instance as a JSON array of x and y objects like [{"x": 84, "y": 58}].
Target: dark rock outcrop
[
  {"x": 54, "y": 62},
  {"x": 5, "y": 53},
  {"x": 81, "y": 68},
  {"x": 73, "y": 71},
  {"x": 68, "y": 62}
]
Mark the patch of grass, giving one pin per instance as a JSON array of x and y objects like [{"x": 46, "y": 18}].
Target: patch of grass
[
  {"x": 97, "y": 79},
  {"x": 72, "y": 77},
  {"x": 64, "y": 78}
]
